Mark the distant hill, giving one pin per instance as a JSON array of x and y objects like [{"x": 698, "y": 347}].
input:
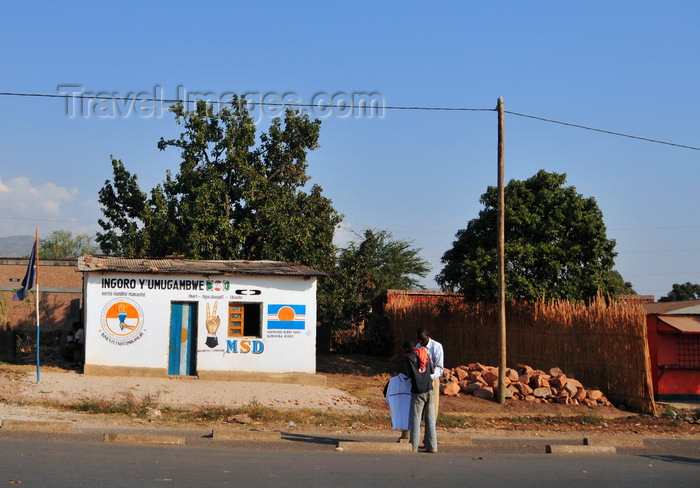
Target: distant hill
[{"x": 16, "y": 246}]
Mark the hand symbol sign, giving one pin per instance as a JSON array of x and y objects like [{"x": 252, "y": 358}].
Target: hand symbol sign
[{"x": 213, "y": 322}]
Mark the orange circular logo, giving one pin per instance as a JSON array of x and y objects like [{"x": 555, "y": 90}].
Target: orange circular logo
[
  {"x": 122, "y": 321},
  {"x": 286, "y": 313}
]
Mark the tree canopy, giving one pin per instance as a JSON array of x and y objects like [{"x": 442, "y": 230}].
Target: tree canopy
[
  {"x": 230, "y": 199},
  {"x": 61, "y": 244},
  {"x": 618, "y": 285},
  {"x": 682, "y": 292},
  {"x": 556, "y": 245},
  {"x": 234, "y": 199},
  {"x": 367, "y": 268}
]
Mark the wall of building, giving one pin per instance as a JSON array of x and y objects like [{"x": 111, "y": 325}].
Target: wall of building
[
  {"x": 679, "y": 385},
  {"x": 671, "y": 382},
  {"x": 143, "y": 345},
  {"x": 60, "y": 295}
]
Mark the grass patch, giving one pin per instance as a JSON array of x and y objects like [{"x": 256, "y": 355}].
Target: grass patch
[
  {"x": 559, "y": 420},
  {"x": 126, "y": 404},
  {"x": 312, "y": 417},
  {"x": 591, "y": 419},
  {"x": 668, "y": 413},
  {"x": 130, "y": 405},
  {"x": 523, "y": 420},
  {"x": 586, "y": 419},
  {"x": 456, "y": 421}
]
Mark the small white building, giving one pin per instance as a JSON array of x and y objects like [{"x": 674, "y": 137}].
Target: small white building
[{"x": 211, "y": 319}]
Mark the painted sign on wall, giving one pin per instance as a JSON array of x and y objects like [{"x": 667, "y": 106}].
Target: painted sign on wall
[
  {"x": 286, "y": 317},
  {"x": 128, "y": 321},
  {"x": 122, "y": 322},
  {"x": 244, "y": 346}
]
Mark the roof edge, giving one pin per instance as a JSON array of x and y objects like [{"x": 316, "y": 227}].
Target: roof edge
[{"x": 90, "y": 263}]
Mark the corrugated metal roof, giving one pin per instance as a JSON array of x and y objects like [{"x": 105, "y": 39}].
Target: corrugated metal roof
[
  {"x": 682, "y": 323},
  {"x": 670, "y": 307},
  {"x": 694, "y": 310},
  {"x": 91, "y": 264}
]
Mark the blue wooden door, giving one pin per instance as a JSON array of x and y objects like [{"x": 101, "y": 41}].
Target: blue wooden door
[{"x": 183, "y": 339}]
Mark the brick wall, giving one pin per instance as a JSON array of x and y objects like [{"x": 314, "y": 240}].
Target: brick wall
[{"x": 60, "y": 293}]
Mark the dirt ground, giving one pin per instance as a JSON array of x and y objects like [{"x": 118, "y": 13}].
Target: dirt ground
[{"x": 363, "y": 378}]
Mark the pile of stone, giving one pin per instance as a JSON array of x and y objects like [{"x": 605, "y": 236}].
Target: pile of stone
[{"x": 522, "y": 383}]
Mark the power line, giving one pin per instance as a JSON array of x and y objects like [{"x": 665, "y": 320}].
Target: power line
[
  {"x": 247, "y": 102},
  {"x": 416, "y": 231},
  {"x": 656, "y": 228},
  {"x": 679, "y": 273},
  {"x": 31, "y": 219},
  {"x": 658, "y": 250},
  {"x": 578, "y": 126},
  {"x": 386, "y": 107}
]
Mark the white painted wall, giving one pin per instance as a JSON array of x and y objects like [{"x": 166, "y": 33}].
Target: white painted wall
[{"x": 144, "y": 340}]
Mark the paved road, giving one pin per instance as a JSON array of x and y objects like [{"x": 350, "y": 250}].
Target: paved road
[{"x": 45, "y": 464}]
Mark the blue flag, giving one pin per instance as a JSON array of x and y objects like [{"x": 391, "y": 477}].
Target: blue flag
[{"x": 29, "y": 277}]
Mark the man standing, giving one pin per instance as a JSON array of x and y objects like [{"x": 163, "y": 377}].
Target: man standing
[
  {"x": 438, "y": 359},
  {"x": 419, "y": 369}
]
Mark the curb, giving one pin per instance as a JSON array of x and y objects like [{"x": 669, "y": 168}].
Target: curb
[
  {"x": 564, "y": 449},
  {"x": 37, "y": 425},
  {"x": 466, "y": 442},
  {"x": 368, "y": 446},
  {"x": 172, "y": 440},
  {"x": 613, "y": 441},
  {"x": 246, "y": 435}
]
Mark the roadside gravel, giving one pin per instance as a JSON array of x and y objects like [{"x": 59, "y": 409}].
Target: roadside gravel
[{"x": 70, "y": 387}]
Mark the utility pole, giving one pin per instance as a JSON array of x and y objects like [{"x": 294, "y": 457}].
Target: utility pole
[{"x": 501, "y": 254}]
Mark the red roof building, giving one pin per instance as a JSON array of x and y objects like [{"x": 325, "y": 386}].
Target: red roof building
[{"x": 673, "y": 332}]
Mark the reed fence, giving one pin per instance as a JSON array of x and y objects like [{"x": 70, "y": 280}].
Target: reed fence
[{"x": 602, "y": 344}]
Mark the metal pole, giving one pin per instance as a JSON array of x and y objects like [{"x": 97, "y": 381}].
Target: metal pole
[
  {"x": 501, "y": 254},
  {"x": 36, "y": 278}
]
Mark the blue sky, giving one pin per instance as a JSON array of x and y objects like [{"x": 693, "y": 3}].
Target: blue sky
[{"x": 624, "y": 66}]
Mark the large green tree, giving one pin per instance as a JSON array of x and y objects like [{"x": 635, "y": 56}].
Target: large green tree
[
  {"x": 367, "y": 268},
  {"x": 556, "y": 245},
  {"x": 681, "y": 292},
  {"x": 618, "y": 285},
  {"x": 123, "y": 206},
  {"x": 61, "y": 244},
  {"x": 230, "y": 199}
]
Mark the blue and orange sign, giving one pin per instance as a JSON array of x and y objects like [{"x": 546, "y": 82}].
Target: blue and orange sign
[
  {"x": 122, "y": 321},
  {"x": 286, "y": 317}
]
